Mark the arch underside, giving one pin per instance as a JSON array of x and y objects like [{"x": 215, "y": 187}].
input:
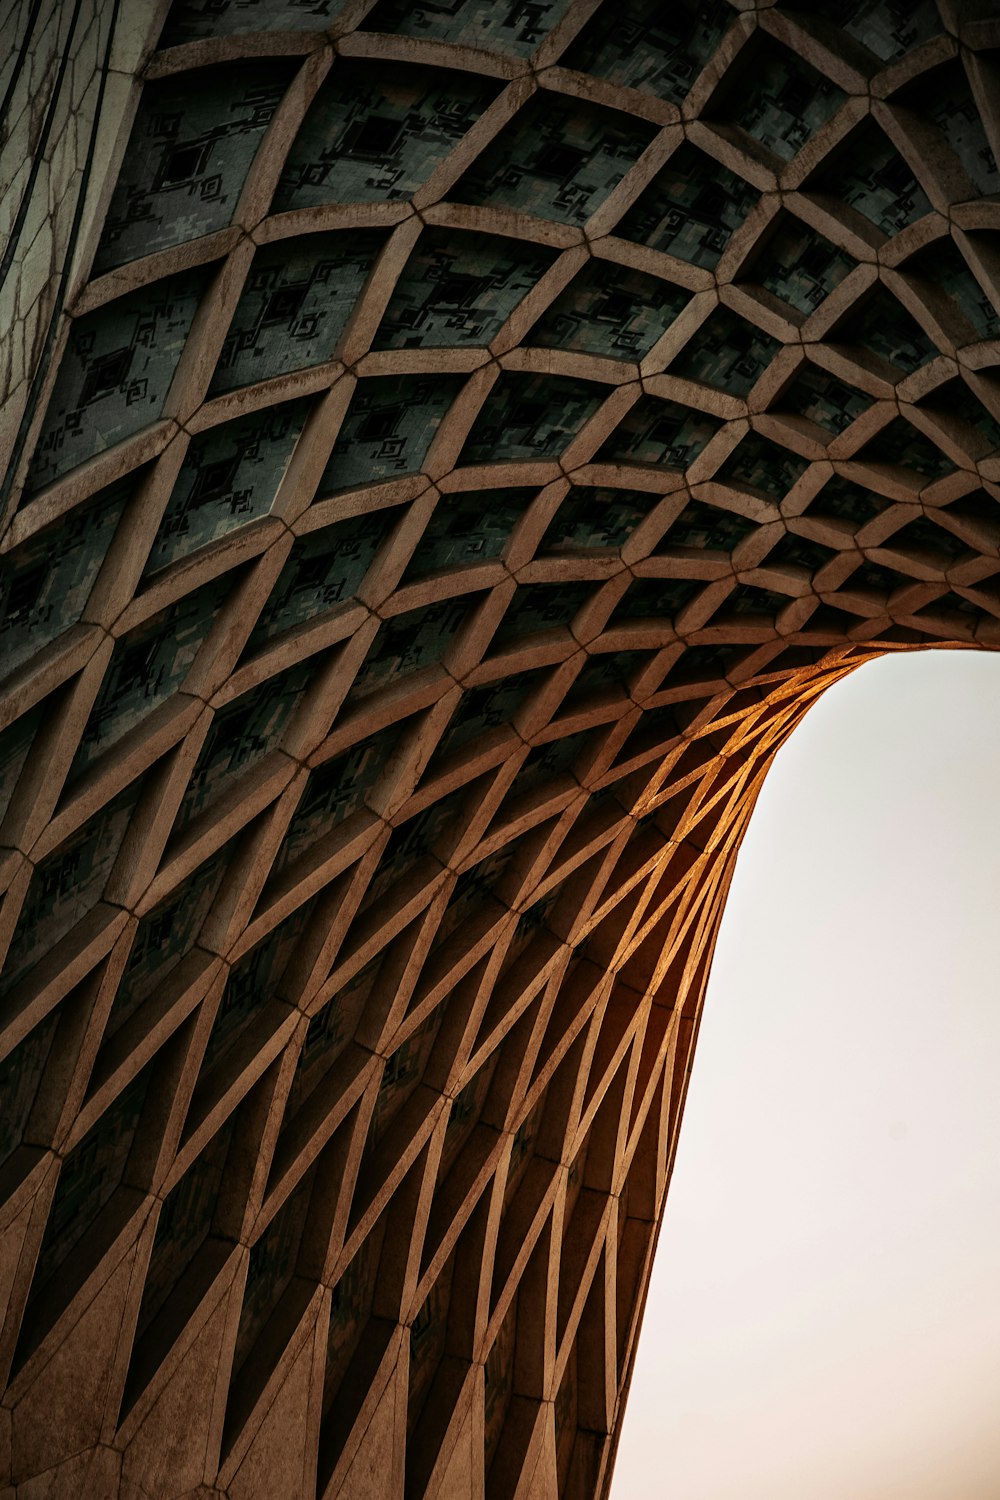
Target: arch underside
[{"x": 450, "y": 447}]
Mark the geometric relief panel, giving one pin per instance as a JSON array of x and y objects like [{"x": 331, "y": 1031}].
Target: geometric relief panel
[
  {"x": 376, "y": 133},
  {"x": 115, "y": 373},
  {"x": 412, "y": 584},
  {"x": 188, "y": 158},
  {"x": 230, "y": 476},
  {"x": 295, "y": 305}
]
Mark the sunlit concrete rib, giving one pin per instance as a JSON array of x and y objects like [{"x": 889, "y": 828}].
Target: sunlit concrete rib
[{"x": 448, "y": 448}]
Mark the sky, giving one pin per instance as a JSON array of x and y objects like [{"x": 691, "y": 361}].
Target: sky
[{"x": 824, "y": 1313}]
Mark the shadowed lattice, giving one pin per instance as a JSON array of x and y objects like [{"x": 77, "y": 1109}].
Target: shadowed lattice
[{"x": 450, "y": 447}]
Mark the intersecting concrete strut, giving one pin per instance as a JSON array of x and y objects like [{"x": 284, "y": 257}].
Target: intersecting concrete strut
[{"x": 446, "y": 449}]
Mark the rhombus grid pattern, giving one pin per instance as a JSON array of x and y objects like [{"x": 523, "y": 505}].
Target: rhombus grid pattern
[{"x": 479, "y": 431}]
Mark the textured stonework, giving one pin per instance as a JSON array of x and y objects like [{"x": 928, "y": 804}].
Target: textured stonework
[{"x": 450, "y": 446}]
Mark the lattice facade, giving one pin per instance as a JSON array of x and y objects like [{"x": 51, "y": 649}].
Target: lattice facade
[{"x": 450, "y": 446}]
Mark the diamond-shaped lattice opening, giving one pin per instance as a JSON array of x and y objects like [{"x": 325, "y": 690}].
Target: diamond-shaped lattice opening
[
  {"x": 485, "y": 708},
  {"x": 950, "y": 604},
  {"x": 798, "y": 552},
  {"x": 376, "y": 131},
  {"x": 797, "y": 265},
  {"x": 928, "y": 542},
  {"x": 566, "y": 1420},
  {"x": 964, "y": 415},
  {"x": 608, "y": 674},
  {"x": 428, "y": 1335},
  {"x": 350, "y": 1308},
  {"x": 774, "y": 95},
  {"x": 163, "y": 938},
  {"x": 794, "y": 658},
  {"x": 407, "y": 643},
  {"x": 325, "y": 568},
  {"x": 45, "y": 583},
  {"x": 726, "y": 352},
  {"x": 880, "y": 325},
  {"x": 705, "y": 664},
  {"x": 251, "y": 998},
  {"x": 22, "y": 1078},
  {"x": 115, "y": 373},
  {"x": 942, "y": 268},
  {"x": 483, "y": 884},
  {"x": 642, "y": 44},
  {"x": 16, "y": 742},
  {"x": 334, "y": 791},
  {"x": 459, "y": 288},
  {"x": 975, "y": 517},
  {"x": 822, "y": 398},
  {"x": 294, "y": 306},
  {"x": 654, "y": 734},
  {"x": 67, "y": 883},
  {"x": 707, "y": 527},
  {"x": 759, "y": 464},
  {"x": 466, "y": 528},
  {"x": 900, "y": 444},
  {"x": 274, "y": 1260},
  {"x": 327, "y": 1035},
  {"x": 846, "y": 501},
  {"x": 867, "y": 172},
  {"x": 691, "y": 209},
  {"x": 655, "y": 599},
  {"x": 531, "y": 416},
  {"x": 148, "y": 664},
  {"x": 877, "y": 581},
  {"x": 388, "y": 429},
  {"x": 944, "y": 98},
  {"x": 560, "y": 758},
  {"x": 417, "y": 850},
  {"x": 229, "y": 478},
  {"x": 611, "y": 310},
  {"x": 748, "y": 604},
  {"x": 540, "y": 606},
  {"x": 831, "y": 624},
  {"x": 662, "y": 433},
  {"x": 558, "y": 159},
  {"x": 241, "y": 734},
  {"x": 191, "y": 1241},
  {"x": 596, "y": 518},
  {"x": 888, "y": 28},
  {"x": 403, "y": 1072},
  {"x": 94, "y": 1172},
  {"x": 498, "y": 1384},
  {"x": 188, "y": 157}
]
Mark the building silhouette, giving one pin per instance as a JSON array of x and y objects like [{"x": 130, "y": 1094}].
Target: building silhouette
[{"x": 448, "y": 447}]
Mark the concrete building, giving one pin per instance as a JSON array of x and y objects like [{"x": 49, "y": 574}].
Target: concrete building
[{"x": 447, "y": 446}]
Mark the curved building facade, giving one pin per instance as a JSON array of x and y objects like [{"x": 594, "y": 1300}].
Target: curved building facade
[{"x": 447, "y": 448}]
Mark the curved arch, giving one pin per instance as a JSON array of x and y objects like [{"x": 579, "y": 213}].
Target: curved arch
[
  {"x": 820, "y": 1314},
  {"x": 474, "y": 437}
]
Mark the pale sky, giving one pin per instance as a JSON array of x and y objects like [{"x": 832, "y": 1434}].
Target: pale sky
[{"x": 824, "y": 1317}]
